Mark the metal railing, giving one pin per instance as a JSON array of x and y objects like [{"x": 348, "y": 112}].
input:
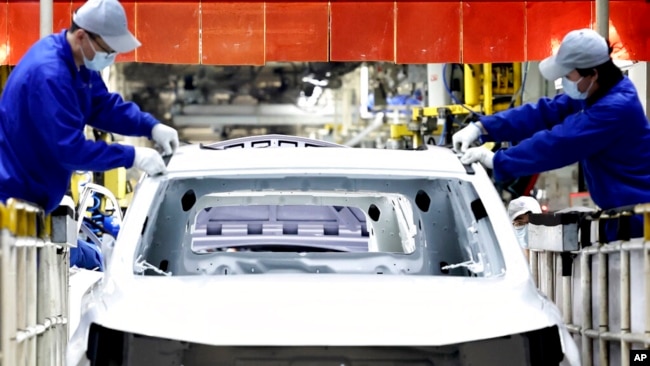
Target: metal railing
[
  {"x": 34, "y": 272},
  {"x": 602, "y": 287}
]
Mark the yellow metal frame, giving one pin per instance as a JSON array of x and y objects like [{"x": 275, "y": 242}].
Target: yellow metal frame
[
  {"x": 4, "y": 76},
  {"x": 479, "y": 90},
  {"x": 481, "y": 83},
  {"x": 115, "y": 180},
  {"x": 22, "y": 219},
  {"x": 399, "y": 131}
]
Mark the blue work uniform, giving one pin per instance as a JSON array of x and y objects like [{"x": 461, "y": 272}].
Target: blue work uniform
[
  {"x": 44, "y": 108},
  {"x": 609, "y": 136},
  {"x": 86, "y": 255}
]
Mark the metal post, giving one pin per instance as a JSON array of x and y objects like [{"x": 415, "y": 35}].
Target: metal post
[
  {"x": 32, "y": 296},
  {"x": 585, "y": 279},
  {"x": 487, "y": 89},
  {"x": 547, "y": 275},
  {"x": 603, "y": 310},
  {"x": 645, "y": 209},
  {"x": 534, "y": 266},
  {"x": 437, "y": 94},
  {"x": 625, "y": 305},
  {"x": 602, "y": 18},
  {"x": 21, "y": 281},
  {"x": 46, "y": 13},
  {"x": 8, "y": 276},
  {"x": 517, "y": 81}
]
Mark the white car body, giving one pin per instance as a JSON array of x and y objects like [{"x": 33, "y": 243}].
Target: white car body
[{"x": 302, "y": 313}]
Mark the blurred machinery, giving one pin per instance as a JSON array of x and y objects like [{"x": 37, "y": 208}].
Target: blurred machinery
[
  {"x": 115, "y": 180},
  {"x": 208, "y": 103},
  {"x": 4, "y": 75},
  {"x": 475, "y": 90}
]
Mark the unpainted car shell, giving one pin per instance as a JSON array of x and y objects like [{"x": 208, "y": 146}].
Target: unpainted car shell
[{"x": 302, "y": 310}]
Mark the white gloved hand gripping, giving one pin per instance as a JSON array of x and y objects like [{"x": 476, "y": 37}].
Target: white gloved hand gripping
[
  {"x": 480, "y": 154},
  {"x": 166, "y": 137},
  {"x": 149, "y": 160},
  {"x": 465, "y": 137}
]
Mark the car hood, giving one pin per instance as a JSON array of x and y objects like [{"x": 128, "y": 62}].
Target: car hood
[{"x": 321, "y": 309}]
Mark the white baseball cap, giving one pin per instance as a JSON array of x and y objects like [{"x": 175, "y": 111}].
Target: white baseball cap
[
  {"x": 580, "y": 49},
  {"x": 107, "y": 19},
  {"x": 522, "y": 205}
]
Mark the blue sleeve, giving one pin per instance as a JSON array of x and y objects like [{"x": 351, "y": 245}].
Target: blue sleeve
[
  {"x": 53, "y": 103},
  {"x": 87, "y": 256},
  {"x": 520, "y": 123},
  {"x": 112, "y": 114},
  {"x": 578, "y": 137}
]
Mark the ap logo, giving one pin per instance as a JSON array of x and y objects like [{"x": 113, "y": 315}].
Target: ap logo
[{"x": 640, "y": 357}]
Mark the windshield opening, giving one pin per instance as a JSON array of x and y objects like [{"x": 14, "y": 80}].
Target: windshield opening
[
  {"x": 346, "y": 223},
  {"x": 318, "y": 225}
]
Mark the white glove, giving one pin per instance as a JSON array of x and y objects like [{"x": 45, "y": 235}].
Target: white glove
[
  {"x": 480, "y": 154},
  {"x": 166, "y": 137},
  {"x": 465, "y": 137},
  {"x": 149, "y": 160}
]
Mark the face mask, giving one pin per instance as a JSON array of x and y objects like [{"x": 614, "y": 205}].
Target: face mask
[
  {"x": 522, "y": 236},
  {"x": 100, "y": 61},
  {"x": 571, "y": 88}
]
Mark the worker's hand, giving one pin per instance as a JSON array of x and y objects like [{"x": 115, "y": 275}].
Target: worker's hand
[
  {"x": 465, "y": 137},
  {"x": 166, "y": 137},
  {"x": 149, "y": 160},
  {"x": 480, "y": 154}
]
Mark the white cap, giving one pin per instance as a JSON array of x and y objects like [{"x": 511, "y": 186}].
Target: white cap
[
  {"x": 522, "y": 205},
  {"x": 580, "y": 49},
  {"x": 107, "y": 19}
]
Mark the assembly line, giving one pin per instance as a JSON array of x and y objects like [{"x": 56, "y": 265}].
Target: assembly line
[{"x": 298, "y": 212}]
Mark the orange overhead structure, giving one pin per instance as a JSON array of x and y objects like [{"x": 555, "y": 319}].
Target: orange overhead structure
[{"x": 249, "y": 32}]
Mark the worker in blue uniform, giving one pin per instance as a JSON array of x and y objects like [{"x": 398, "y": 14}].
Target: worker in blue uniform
[
  {"x": 87, "y": 255},
  {"x": 54, "y": 92},
  {"x": 598, "y": 121}
]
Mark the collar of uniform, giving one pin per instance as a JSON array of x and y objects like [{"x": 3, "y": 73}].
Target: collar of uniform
[
  {"x": 65, "y": 51},
  {"x": 68, "y": 58},
  {"x": 601, "y": 92}
]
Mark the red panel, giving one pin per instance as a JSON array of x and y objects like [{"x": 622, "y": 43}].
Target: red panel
[
  {"x": 129, "y": 9},
  {"x": 297, "y": 31},
  {"x": 23, "y": 19},
  {"x": 168, "y": 31},
  {"x": 629, "y": 30},
  {"x": 428, "y": 32},
  {"x": 62, "y": 15},
  {"x": 493, "y": 31},
  {"x": 4, "y": 56},
  {"x": 233, "y": 33},
  {"x": 76, "y": 4},
  {"x": 362, "y": 31},
  {"x": 549, "y": 21}
]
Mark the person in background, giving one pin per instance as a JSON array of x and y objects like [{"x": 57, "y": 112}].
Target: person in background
[
  {"x": 519, "y": 210},
  {"x": 54, "y": 92},
  {"x": 87, "y": 255},
  {"x": 598, "y": 121}
]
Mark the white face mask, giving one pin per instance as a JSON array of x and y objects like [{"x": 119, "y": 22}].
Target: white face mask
[
  {"x": 100, "y": 61},
  {"x": 571, "y": 88},
  {"x": 522, "y": 236}
]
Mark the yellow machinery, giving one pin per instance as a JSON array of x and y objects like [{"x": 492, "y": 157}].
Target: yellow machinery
[
  {"x": 4, "y": 75},
  {"x": 114, "y": 180},
  {"x": 487, "y": 88}
]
